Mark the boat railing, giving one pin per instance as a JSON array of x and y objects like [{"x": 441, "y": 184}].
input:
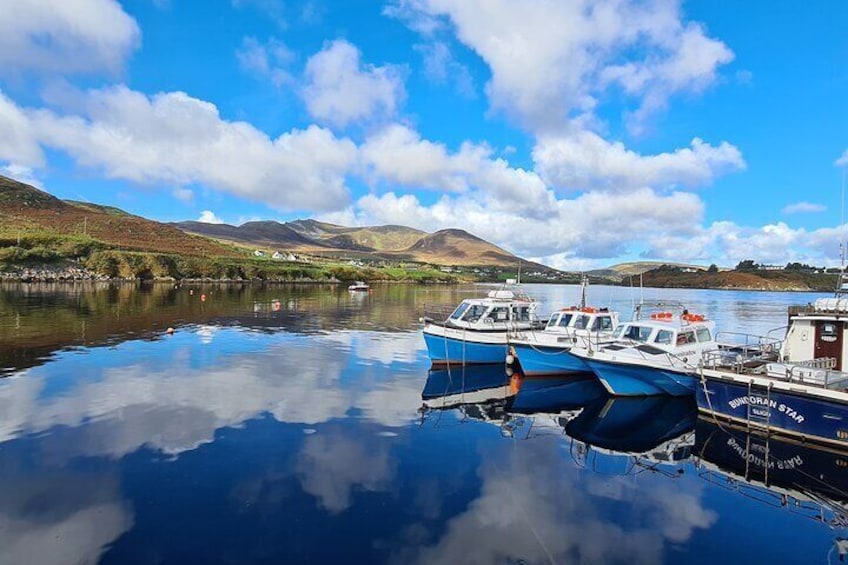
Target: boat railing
[{"x": 740, "y": 352}]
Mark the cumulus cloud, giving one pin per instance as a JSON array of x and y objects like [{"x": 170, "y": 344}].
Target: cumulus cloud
[
  {"x": 209, "y": 217},
  {"x": 18, "y": 143},
  {"x": 553, "y": 60},
  {"x": 441, "y": 67},
  {"x": 65, "y": 36},
  {"x": 268, "y": 60},
  {"x": 728, "y": 243},
  {"x": 397, "y": 154},
  {"x": 594, "y": 225},
  {"x": 174, "y": 138},
  {"x": 341, "y": 90},
  {"x": 843, "y": 159},
  {"x": 585, "y": 160},
  {"x": 800, "y": 207}
]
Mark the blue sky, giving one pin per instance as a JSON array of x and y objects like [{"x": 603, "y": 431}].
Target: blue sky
[{"x": 576, "y": 133}]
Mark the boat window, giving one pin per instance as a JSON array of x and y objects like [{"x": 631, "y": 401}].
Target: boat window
[
  {"x": 664, "y": 336},
  {"x": 474, "y": 312},
  {"x": 638, "y": 333},
  {"x": 523, "y": 313},
  {"x": 602, "y": 324},
  {"x": 581, "y": 322},
  {"x": 619, "y": 331},
  {"x": 685, "y": 337},
  {"x": 499, "y": 314},
  {"x": 565, "y": 320},
  {"x": 828, "y": 330},
  {"x": 553, "y": 321},
  {"x": 460, "y": 310},
  {"x": 704, "y": 335}
]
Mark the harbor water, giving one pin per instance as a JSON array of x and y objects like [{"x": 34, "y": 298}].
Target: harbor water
[{"x": 301, "y": 424}]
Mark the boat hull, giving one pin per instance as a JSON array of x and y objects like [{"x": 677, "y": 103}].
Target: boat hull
[
  {"x": 793, "y": 413},
  {"x": 450, "y": 346},
  {"x": 540, "y": 360},
  {"x": 625, "y": 379}
]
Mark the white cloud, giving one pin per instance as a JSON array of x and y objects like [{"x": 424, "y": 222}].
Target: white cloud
[
  {"x": 843, "y": 159},
  {"x": 340, "y": 91},
  {"x": 441, "y": 67},
  {"x": 594, "y": 225},
  {"x": 584, "y": 160},
  {"x": 552, "y": 60},
  {"x": 18, "y": 142},
  {"x": 269, "y": 60},
  {"x": 209, "y": 217},
  {"x": 174, "y": 138},
  {"x": 727, "y": 243},
  {"x": 801, "y": 207},
  {"x": 65, "y": 36},
  {"x": 397, "y": 154},
  {"x": 184, "y": 194}
]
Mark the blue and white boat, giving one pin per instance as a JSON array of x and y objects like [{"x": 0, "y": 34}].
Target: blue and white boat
[
  {"x": 548, "y": 352},
  {"x": 476, "y": 331},
  {"x": 657, "y": 354},
  {"x": 800, "y": 394}
]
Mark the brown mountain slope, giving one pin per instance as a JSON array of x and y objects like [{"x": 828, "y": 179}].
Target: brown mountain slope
[
  {"x": 458, "y": 247},
  {"x": 371, "y": 238},
  {"x": 27, "y": 209},
  {"x": 259, "y": 234}
]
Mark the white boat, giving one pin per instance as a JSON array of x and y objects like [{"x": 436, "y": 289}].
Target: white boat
[
  {"x": 548, "y": 352},
  {"x": 477, "y": 329},
  {"x": 359, "y": 286},
  {"x": 655, "y": 353}
]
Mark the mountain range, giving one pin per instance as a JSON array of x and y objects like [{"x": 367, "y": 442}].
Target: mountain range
[{"x": 26, "y": 209}]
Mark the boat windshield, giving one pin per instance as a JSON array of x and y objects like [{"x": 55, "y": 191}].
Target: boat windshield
[
  {"x": 474, "y": 312},
  {"x": 521, "y": 313},
  {"x": 582, "y": 322},
  {"x": 460, "y": 310},
  {"x": 602, "y": 324},
  {"x": 664, "y": 337},
  {"x": 561, "y": 321},
  {"x": 704, "y": 335},
  {"x": 636, "y": 333}
]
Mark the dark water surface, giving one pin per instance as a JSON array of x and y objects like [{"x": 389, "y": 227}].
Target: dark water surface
[{"x": 287, "y": 425}]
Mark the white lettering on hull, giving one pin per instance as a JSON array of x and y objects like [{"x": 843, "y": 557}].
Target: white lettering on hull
[{"x": 764, "y": 405}]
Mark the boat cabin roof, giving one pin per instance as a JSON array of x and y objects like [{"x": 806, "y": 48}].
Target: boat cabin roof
[
  {"x": 664, "y": 334},
  {"x": 586, "y": 318}
]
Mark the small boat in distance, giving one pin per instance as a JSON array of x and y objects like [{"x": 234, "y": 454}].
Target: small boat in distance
[
  {"x": 476, "y": 330},
  {"x": 359, "y": 286}
]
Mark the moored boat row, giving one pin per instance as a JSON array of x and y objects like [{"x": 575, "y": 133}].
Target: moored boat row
[{"x": 792, "y": 386}]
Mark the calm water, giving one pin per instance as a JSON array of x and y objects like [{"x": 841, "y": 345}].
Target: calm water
[{"x": 286, "y": 425}]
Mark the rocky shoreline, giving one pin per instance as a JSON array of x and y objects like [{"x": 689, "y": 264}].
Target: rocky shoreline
[{"x": 50, "y": 273}]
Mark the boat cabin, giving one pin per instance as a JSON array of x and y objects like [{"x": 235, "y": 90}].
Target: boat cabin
[
  {"x": 501, "y": 309},
  {"x": 817, "y": 333},
  {"x": 667, "y": 337},
  {"x": 591, "y": 320}
]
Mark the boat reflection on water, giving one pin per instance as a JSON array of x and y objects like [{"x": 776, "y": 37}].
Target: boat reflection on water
[
  {"x": 646, "y": 433},
  {"x": 477, "y": 391},
  {"x": 552, "y": 394},
  {"x": 805, "y": 479}
]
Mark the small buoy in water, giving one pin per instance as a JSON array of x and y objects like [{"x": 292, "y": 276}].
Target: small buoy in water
[
  {"x": 169, "y": 330},
  {"x": 203, "y": 298},
  {"x": 510, "y": 359},
  {"x": 191, "y": 292}
]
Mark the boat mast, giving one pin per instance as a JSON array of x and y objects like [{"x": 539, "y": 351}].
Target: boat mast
[{"x": 584, "y": 283}]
